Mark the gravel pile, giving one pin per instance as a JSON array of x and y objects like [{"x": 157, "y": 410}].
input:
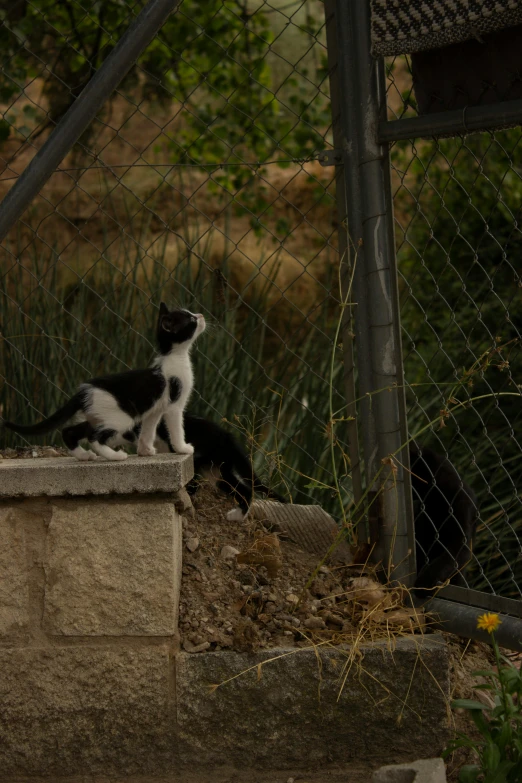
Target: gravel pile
[
  {"x": 244, "y": 589},
  {"x": 32, "y": 452}
]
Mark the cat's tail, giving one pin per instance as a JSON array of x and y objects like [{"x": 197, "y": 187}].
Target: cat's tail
[{"x": 55, "y": 421}]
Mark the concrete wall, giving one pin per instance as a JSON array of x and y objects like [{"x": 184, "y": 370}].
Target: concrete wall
[{"x": 92, "y": 681}]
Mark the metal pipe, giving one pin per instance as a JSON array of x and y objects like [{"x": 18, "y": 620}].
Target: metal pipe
[
  {"x": 138, "y": 35},
  {"x": 346, "y": 270},
  {"x": 462, "y": 620},
  {"x": 370, "y": 228},
  {"x": 470, "y": 119}
]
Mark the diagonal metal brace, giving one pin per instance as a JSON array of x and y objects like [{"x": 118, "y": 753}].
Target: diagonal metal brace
[{"x": 85, "y": 108}]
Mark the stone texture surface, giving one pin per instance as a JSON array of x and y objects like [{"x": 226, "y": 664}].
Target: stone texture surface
[
  {"x": 113, "y": 568},
  {"x": 84, "y": 711},
  {"x": 293, "y": 715},
  {"x": 14, "y": 572},
  {"x": 66, "y": 476},
  {"x": 424, "y": 771}
]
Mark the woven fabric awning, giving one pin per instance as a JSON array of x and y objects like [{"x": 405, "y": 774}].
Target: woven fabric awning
[{"x": 405, "y": 26}]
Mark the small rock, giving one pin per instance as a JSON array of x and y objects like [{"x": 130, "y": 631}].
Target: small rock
[
  {"x": 319, "y": 588},
  {"x": 195, "y": 648},
  {"x": 195, "y": 638},
  {"x": 246, "y": 577},
  {"x": 314, "y": 623},
  {"x": 228, "y": 552},
  {"x": 272, "y": 597},
  {"x": 334, "y": 619},
  {"x": 192, "y": 543},
  {"x": 200, "y": 647},
  {"x": 292, "y": 598},
  {"x": 324, "y": 569}
]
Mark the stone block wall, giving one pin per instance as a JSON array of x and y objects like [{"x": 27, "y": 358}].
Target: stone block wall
[
  {"x": 93, "y": 684},
  {"x": 89, "y": 594}
]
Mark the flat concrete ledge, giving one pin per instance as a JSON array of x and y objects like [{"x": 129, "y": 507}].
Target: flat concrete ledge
[
  {"x": 65, "y": 476},
  {"x": 299, "y": 708}
]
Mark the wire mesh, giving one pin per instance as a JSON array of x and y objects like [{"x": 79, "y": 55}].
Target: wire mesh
[
  {"x": 457, "y": 222},
  {"x": 198, "y": 184}
]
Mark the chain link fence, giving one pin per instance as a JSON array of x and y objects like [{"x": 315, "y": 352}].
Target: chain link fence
[
  {"x": 198, "y": 183},
  {"x": 212, "y": 178},
  {"x": 457, "y": 226}
]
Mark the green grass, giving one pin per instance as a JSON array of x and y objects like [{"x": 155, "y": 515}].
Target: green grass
[
  {"x": 272, "y": 390},
  {"x": 261, "y": 366}
]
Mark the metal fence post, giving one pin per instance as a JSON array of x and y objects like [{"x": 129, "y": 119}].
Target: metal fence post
[
  {"x": 382, "y": 411},
  {"x": 345, "y": 259},
  {"x": 114, "y": 68}
]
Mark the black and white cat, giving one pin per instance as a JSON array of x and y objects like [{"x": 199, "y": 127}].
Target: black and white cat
[
  {"x": 446, "y": 515},
  {"x": 218, "y": 457},
  {"x": 113, "y": 405}
]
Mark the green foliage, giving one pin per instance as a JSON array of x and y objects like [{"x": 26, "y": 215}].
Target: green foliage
[
  {"x": 458, "y": 208},
  {"x": 499, "y": 749},
  {"x": 213, "y": 58}
]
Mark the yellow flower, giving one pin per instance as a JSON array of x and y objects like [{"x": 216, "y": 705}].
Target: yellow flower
[{"x": 488, "y": 622}]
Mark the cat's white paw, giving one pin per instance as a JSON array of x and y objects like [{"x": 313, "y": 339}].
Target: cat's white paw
[
  {"x": 82, "y": 455},
  {"x": 186, "y": 448},
  {"x": 118, "y": 456},
  {"x": 146, "y": 451},
  {"x": 235, "y": 515}
]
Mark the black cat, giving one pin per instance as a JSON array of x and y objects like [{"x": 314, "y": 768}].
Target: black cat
[
  {"x": 217, "y": 455},
  {"x": 445, "y": 519}
]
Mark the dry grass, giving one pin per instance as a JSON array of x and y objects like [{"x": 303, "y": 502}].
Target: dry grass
[{"x": 156, "y": 215}]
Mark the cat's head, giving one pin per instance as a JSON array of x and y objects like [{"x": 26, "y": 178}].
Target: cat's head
[{"x": 177, "y": 327}]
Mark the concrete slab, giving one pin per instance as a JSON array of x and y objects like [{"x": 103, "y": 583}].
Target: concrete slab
[
  {"x": 65, "y": 476},
  {"x": 422, "y": 771},
  {"x": 313, "y": 706},
  {"x": 308, "y": 526}
]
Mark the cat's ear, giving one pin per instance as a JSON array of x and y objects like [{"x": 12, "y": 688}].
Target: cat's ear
[
  {"x": 163, "y": 309},
  {"x": 168, "y": 324}
]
